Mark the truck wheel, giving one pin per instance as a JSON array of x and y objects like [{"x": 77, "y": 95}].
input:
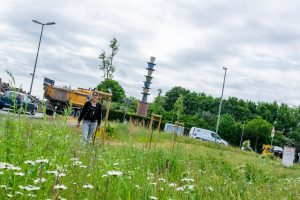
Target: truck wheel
[
  {"x": 78, "y": 112},
  {"x": 73, "y": 112}
]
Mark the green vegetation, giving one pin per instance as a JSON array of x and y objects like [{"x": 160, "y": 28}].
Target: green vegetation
[{"x": 48, "y": 161}]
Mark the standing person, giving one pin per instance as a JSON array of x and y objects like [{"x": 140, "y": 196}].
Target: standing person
[{"x": 91, "y": 116}]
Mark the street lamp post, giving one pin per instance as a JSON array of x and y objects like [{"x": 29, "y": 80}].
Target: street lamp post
[
  {"x": 220, "y": 106},
  {"x": 37, "y": 54}
]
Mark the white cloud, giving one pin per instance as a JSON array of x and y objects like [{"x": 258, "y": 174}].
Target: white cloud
[{"x": 257, "y": 40}]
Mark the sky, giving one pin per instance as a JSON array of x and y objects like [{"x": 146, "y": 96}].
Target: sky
[{"x": 257, "y": 40}]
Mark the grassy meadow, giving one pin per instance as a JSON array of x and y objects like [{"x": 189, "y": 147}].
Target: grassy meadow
[{"x": 47, "y": 160}]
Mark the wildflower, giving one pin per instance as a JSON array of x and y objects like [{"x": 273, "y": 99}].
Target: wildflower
[
  {"x": 211, "y": 188},
  {"x": 52, "y": 172},
  {"x": 29, "y": 188},
  {"x": 19, "y": 174},
  {"x": 61, "y": 175},
  {"x": 77, "y": 163},
  {"x": 114, "y": 173},
  {"x": 153, "y": 198},
  {"x": 104, "y": 175},
  {"x": 172, "y": 185},
  {"x": 83, "y": 166},
  {"x": 39, "y": 180},
  {"x": 190, "y": 187},
  {"x": 116, "y": 164},
  {"x": 10, "y": 195},
  {"x": 162, "y": 180},
  {"x": 3, "y": 186},
  {"x": 180, "y": 188},
  {"x": 61, "y": 198},
  {"x": 137, "y": 186},
  {"x": 41, "y": 161},
  {"x": 187, "y": 180},
  {"x": 29, "y": 162},
  {"x": 18, "y": 192},
  {"x": 153, "y": 183},
  {"x": 60, "y": 187},
  {"x": 88, "y": 186}
]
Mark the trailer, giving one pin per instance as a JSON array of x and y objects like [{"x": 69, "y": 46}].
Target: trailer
[{"x": 59, "y": 99}]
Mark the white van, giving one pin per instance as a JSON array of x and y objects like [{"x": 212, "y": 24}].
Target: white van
[
  {"x": 206, "y": 135},
  {"x": 169, "y": 128}
]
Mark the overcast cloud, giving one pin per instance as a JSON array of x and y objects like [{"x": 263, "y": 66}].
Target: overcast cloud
[{"x": 192, "y": 40}]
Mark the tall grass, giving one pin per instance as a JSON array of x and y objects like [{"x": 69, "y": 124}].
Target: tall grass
[{"x": 49, "y": 161}]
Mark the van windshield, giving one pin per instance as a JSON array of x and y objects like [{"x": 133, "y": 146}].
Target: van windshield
[{"x": 214, "y": 135}]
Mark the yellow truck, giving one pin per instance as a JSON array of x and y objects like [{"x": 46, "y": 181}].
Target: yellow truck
[{"x": 60, "y": 98}]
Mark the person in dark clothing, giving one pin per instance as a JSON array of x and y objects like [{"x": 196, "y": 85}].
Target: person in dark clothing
[{"x": 91, "y": 116}]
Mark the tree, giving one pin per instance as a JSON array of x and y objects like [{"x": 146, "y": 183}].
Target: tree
[
  {"x": 178, "y": 107},
  {"x": 172, "y": 96},
  {"x": 106, "y": 64},
  {"x": 258, "y": 130},
  {"x": 230, "y": 130},
  {"x": 109, "y": 85}
]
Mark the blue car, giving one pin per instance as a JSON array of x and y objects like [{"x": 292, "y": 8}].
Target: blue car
[{"x": 19, "y": 101}]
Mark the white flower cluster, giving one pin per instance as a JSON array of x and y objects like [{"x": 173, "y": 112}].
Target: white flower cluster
[
  {"x": 88, "y": 186},
  {"x": 8, "y": 166},
  {"x": 114, "y": 173},
  {"x": 39, "y": 161},
  {"x": 29, "y": 188},
  {"x": 60, "y": 187}
]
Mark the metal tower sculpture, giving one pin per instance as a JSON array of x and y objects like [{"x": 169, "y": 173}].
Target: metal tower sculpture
[{"x": 143, "y": 105}]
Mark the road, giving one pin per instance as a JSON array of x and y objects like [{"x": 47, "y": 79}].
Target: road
[{"x": 36, "y": 116}]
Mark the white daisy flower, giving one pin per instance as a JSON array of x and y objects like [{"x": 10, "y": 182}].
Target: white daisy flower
[
  {"x": 104, "y": 175},
  {"x": 187, "y": 180},
  {"x": 114, "y": 173},
  {"x": 60, "y": 187},
  {"x": 153, "y": 197},
  {"x": 88, "y": 186},
  {"x": 3, "y": 186},
  {"x": 29, "y": 162},
  {"x": 19, "y": 174},
  {"x": 83, "y": 166},
  {"x": 39, "y": 180},
  {"x": 172, "y": 185},
  {"x": 18, "y": 192},
  {"x": 162, "y": 180},
  {"x": 180, "y": 188},
  {"x": 41, "y": 161},
  {"x": 29, "y": 188},
  {"x": 10, "y": 195}
]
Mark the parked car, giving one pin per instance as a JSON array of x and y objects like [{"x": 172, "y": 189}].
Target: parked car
[
  {"x": 206, "y": 135},
  {"x": 20, "y": 100},
  {"x": 169, "y": 128},
  {"x": 278, "y": 151}
]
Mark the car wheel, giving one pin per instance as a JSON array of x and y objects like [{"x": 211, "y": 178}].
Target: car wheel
[{"x": 33, "y": 112}]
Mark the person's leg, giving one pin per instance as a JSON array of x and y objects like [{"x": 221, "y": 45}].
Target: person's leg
[
  {"x": 85, "y": 130},
  {"x": 92, "y": 128}
]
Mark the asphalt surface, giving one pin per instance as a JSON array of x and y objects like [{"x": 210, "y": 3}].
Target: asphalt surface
[{"x": 36, "y": 116}]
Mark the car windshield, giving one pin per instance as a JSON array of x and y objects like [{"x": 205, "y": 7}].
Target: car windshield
[{"x": 10, "y": 94}]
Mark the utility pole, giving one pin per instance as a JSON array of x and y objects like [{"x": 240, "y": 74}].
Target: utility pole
[
  {"x": 37, "y": 54},
  {"x": 220, "y": 106}
]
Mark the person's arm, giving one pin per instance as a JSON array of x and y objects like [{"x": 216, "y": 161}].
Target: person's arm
[
  {"x": 99, "y": 114},
  {"x": 83, "y": 112}
]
